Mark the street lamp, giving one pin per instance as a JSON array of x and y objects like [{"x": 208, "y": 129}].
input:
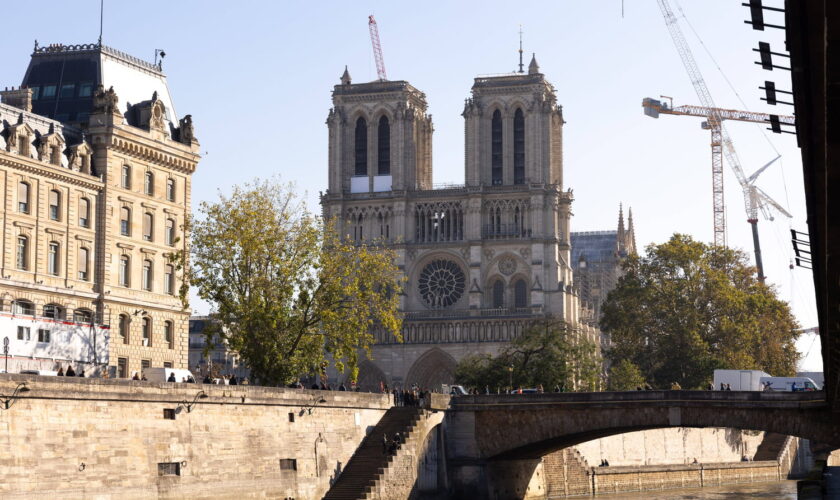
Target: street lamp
[
  {"x": 6, "y": 353},
  {"x": 308, "y": 409},
  {"x": 10, "y": 400},
  {"x": 183, "y": 405},
  {"x": 510, "y": 377}
]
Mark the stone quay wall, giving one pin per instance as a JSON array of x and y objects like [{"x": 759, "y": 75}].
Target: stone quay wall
[{"x": 106, "y": 439}]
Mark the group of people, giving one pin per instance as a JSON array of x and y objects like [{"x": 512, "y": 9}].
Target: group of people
[
  {"x": 410, "y": 397},
  {"x": 70, "y": 372},
  {"x": 390, "y": 446}
]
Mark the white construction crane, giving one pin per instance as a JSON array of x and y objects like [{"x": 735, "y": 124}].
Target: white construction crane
[{"x": 755, "y": 199}]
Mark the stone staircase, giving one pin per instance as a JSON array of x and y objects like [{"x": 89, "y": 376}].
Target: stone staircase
[
  {"x": 359, "y": 478},
  {"x": 771, "y": 447}
]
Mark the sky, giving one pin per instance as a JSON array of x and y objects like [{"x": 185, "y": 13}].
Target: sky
[{"x": 257, "y": 77}]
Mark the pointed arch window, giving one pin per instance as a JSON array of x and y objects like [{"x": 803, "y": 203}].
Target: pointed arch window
[
  {"x": 496, "y": 148},
  {"x": 361, "y": 147},
  {"x": 498, "y": 294},
  {"x": 384, "y": 147},
  {"x": 519, "y": 147},
  {"x": 520, "y": 294}
]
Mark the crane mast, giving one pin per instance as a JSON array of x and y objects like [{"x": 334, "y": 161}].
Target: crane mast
[{"x": 377, "y": 49}]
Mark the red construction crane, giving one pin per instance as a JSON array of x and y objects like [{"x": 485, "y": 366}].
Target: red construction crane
[{"x": 377, "y": 48}]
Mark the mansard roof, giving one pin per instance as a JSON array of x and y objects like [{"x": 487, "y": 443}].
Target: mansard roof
[{"x": 64, "y": 79}]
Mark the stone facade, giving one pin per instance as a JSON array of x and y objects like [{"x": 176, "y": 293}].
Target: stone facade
[
  {"x": 482, "y": 259},
  {"x": 107, "y": 439},
  {"x": 100, "y": 198}
]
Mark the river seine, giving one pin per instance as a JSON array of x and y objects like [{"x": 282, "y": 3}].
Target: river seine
[{"x": 785, "y": 490}]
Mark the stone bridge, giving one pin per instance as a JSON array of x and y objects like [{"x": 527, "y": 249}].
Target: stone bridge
[{"x": 494, "y": 442}]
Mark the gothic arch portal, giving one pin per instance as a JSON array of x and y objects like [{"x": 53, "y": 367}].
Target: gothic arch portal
[
  {"x": 433, "y": 368},
  {"x": 370, "y": 376}
]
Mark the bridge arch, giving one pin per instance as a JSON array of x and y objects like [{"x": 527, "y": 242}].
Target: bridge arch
[{"x": 528, "y": 427}]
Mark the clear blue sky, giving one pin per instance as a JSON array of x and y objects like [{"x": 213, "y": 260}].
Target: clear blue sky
[{"x": 257, "y": 76}]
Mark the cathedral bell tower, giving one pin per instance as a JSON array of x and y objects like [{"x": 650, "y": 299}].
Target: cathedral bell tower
[
  {"x": 514, "y": 131},
  {"x": 380, "y": 138}
]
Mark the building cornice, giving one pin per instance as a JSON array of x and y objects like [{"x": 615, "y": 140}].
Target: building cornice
[{"x": 62, "y": 174}]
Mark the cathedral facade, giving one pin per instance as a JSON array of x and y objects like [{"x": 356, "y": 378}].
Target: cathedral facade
[{"x": 483, "y": 259}]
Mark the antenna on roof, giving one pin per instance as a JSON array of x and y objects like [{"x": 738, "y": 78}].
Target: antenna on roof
[
  {"x": 101, "y": 17},
  {"x": 521, "y": 66}
]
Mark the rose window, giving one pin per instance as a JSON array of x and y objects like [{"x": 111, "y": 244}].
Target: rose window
[{"x": 441, "y": 283}]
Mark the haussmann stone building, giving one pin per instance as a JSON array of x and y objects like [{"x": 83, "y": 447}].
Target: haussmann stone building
[
  {"x": 482, "y": 260},
  {"x": 95, "y": 169}
]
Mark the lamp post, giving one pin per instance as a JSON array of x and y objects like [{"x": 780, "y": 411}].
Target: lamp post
[
  {"x": 510, "y": 377},
  {"x": 6, "y": 353},
  {"x": 189, "y": 406},
  {"x": 10, "y": 400}
]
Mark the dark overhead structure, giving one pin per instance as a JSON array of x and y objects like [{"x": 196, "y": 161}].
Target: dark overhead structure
[{"x": 813, "y": 40}]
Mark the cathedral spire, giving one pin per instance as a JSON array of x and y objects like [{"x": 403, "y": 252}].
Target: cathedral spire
[
  {"x": 520, "y": 50},
  {"x": 631, "y": 233},
  {"x": 345, "y": 78},
  {"x": 620, "y": 222},
  {"x": 533, "y": 67}
]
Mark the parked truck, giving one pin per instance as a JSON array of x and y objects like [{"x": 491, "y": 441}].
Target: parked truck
[{"x": 739, "y": 380}]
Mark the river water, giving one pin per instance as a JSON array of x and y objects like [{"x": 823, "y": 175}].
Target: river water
[{"x": 784, "y": 490}]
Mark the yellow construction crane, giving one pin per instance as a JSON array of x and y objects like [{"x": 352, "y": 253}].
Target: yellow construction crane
[{"x": 755, "y": 199}]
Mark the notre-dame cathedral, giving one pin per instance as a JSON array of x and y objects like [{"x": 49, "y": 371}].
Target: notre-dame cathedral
[{"x": 482, "y": 260}]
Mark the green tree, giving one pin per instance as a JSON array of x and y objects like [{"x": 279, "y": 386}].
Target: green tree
[
  {"x": 286, "y": 292},
  {"x": 687, "y": 308},
  {"x": 625, "y": 376},
  {"x": 548, "y": 353}
]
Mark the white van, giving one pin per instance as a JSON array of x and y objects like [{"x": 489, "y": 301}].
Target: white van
[
  {"x": 789, "y": 384},
  {"x": 43, "y": 373},
  {"x": 162, "y": 374}
]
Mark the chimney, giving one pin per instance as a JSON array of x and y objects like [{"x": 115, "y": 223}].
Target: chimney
[{"x": 19, "y": 98}]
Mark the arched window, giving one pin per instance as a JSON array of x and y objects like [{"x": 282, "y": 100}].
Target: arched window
[
  {"x": 148, "y": 226},
  {"x": 125, "y": 270},
  {"x": 170, "y": 232},
  {"x": 361, "y": 147},
  {"x": 147, "y": 275},
  {"x": 498, "y": 294},
  {"x": 23, "y": 197},
  {"x": 84, "y": 212},
  {"x": 53, "y": 253},
  {"x": 147, "y": 332},
  {"x": 383, "y": 152},
  {"x": 496, "y": 148},
  {"x": 520, "y": 294},
  {"x": 170, "y": 189},
  {"x": 125, "y": 221},
  {"x": 84, "y": 261},
  {"x": 519, "y": 147},
  {"x": 124, "y": 328},
  {"x": 23, "y": 307},
  {"x": 53, "y": 311},
  {"x": 126, "y": 177},
  {"x": 83, "y": 316},
  {"x": 149, "y": 183},
  {"x": 55, "y": 205},
  {"x": 169, "y": 279},
  {"x": 169, "y": 334}
]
